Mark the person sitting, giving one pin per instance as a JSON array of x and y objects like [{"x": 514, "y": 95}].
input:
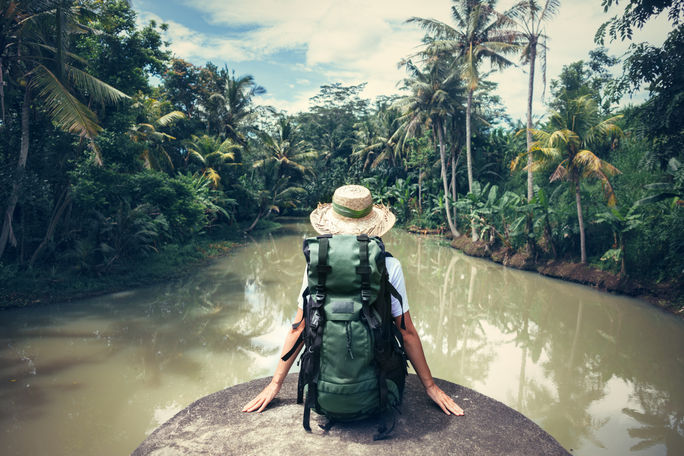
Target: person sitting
[{"x": 352, "y": 212}]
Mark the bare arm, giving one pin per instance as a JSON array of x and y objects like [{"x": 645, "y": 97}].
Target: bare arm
[
  {"x": 260, "y": 402},
  {"x": 415, "y": 354}
]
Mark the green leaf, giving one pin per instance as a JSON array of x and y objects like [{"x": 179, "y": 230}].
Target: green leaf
[{"x": 64, "y": 109}]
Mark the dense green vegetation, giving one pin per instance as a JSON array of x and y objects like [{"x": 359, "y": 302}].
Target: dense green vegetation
[{"x": 102, "y": 171}]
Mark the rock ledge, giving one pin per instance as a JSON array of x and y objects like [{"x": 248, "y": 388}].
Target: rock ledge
[{"x": 214, "y": 425}]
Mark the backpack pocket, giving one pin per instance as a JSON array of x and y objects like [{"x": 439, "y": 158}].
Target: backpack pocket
[{"x": 350, "y": 401}]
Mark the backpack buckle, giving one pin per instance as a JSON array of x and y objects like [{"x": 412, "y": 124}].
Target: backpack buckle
[
  {"x": 315, "y": 319},
  {"x": 365, "y": 296}
]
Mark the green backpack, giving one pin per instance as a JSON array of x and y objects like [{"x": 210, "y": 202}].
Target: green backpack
[{"x": 353, "y": 365}]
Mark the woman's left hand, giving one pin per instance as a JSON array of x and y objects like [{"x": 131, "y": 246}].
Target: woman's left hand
[{"x": 443, "y": 400}]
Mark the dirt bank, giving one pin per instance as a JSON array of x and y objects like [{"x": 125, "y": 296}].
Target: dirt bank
[{"x": 667, "y": 296}]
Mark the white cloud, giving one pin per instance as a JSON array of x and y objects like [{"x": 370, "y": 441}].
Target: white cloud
[
  {"x": 358, "y": 41},
  {"x": 194, "y": 45},
  {"x": 300, "y": 103}
]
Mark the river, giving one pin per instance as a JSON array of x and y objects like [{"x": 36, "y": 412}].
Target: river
[{"x": 603, "y": 374}]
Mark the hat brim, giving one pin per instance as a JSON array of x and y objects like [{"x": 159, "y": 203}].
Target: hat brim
[{"x": 326, "y": 221}]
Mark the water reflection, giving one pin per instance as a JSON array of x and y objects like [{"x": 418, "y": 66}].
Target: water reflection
[{"x": 603, "y": 374}]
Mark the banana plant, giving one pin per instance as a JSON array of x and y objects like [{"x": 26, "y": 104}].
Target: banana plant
[
  {"x": 672, "y": 190},
  {"x": 399, "y": 196},
  {"x": 542, "y": 213},
  {"x": 621, "y": 222}
]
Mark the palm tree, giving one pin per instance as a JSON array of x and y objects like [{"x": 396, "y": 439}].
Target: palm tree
[
  {"x": 147, "y": 133},
  {"x": 531, "y": 15},
  {"x": 33, "y": 41},
  {"x": 481, "y": 34},
  {"x": 434, "y": 97},
  {"x": 375, "y": 138},
  {"x": 573, "y": 132},
  {"x": 234, "y": 105},
  {"x": 277, "y": 192},
  {"x": 286, "y": 149},
  {"x": 212, "y": 154}
]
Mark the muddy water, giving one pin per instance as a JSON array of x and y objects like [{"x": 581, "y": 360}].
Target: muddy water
[{"x": 603, "y": 374}]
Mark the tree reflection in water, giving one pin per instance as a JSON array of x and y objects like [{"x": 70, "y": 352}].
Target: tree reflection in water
[{"x": 569, "y": 341}]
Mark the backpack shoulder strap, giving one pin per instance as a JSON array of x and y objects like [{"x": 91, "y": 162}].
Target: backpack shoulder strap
[
  {"x": 315, "y": 323},
  {"x": 395, "y": 294}
]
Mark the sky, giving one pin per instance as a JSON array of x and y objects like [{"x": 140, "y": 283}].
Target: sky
[{"x": 292, "y": 47}]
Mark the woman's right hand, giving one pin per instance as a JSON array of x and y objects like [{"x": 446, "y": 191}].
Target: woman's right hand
[{"x": 260, "y": 402}]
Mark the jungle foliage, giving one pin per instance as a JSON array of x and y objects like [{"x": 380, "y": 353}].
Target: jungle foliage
[{"x": 101, "y": 170}]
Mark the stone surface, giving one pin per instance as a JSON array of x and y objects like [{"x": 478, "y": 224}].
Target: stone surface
[{"x": 214, "y": 425}]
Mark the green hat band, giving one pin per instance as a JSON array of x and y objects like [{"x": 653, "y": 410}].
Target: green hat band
[{"x": 351, "y": 213}]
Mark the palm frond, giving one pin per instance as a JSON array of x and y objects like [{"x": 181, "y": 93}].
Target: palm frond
[
  {"x": 606, "y": 128},
  {"x": 192, "y": 153},
  {"x": 64, "y": 109},
  {"x": 168, "y": 119},
  {"x": 560, "y": 173},
  {"x": 213, "y": 176},
  {"x": 588, "y": 161},
  {"x": 551, "y": 8},
  {"x": 96, "y": 89},
  {"x": 229, "y": 147},
  {"x": 434, "y": 27}
]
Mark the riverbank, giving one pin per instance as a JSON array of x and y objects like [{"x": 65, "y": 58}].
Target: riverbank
[
  {"x": 20, "y": 288},
  {"x": 666, "y": 295}
]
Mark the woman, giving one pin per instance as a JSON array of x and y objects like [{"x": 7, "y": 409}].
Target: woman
[{"x": 352, "y": 212}]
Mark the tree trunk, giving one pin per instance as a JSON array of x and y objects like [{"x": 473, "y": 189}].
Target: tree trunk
[
  {"x": 420, "y": 190},
  {"x": 530, "y": 96},
  {"x": 59, "y": 19},
  {"x": 580, "y": 220},
  {"x": 623, "y": 266},
  {"x": 61, "y": 206},
  {"x": 453, "y": 178},
  {"x": 468, "y": 150},
  {"x": 469, "y": 161},
  {"x": 442, "y": 158},
  {"x": 256, "y": 220},
  {"x": 549, "y": 236},
  {"x": 2, "y": 92},
  {"x": 7, "y": 234}
]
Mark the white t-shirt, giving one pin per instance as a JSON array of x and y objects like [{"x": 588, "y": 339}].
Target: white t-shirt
[{"x": 396, "y": 278}]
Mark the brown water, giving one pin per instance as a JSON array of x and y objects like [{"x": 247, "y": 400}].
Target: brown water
[{"x": 603, "y": 374}]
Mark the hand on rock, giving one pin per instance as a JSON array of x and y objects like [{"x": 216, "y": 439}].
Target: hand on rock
[
  {"x": 264, "y": 398},
  {"x": 443, "y": 400}
]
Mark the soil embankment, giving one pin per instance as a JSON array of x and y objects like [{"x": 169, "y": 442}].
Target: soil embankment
[{"x": 665, "y": 295}]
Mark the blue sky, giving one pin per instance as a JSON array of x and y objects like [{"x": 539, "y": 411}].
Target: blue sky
[{"x": 292, "y": 47}]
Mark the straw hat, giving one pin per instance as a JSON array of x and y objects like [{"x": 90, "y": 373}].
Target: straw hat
[{"x": 352, "y": 212}]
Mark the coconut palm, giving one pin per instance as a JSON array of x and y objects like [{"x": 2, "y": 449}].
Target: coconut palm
[
  {"x": 375, "y": 139},
  {"x": 233, "y": 105},
  {"x": 277, "y": 193},
  {"x": 481, "y": 33},
  {"x": 286, "y": 149},
  {"x": 434, "y": 98},
  {"x": 530, "y": 16},
  {"x": 212, "y": 155},
  {"x": 148, "y": 134},
  {"x": 573, "y": 132},
  {"x": 33, "y": 50}
]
